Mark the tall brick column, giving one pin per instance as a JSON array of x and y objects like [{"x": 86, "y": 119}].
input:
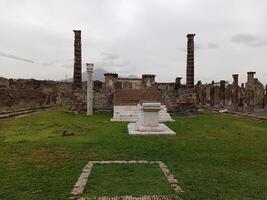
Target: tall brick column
[
  {"x": 190, "y": 61},
  {"x": 222, "y": 93},
  {"x": 77, "y": 75}
]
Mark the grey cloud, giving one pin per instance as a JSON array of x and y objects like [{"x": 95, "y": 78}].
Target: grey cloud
[
  {"x": 109, "y": 56},
  {"x": 113, "y": 63},
  {"x": 248, "y": 40},
  {"x": 198, "y": 46},
  {"x": 134, "y": 37},
  {"x": 213, "y": 46},
  {"x": 112, "y": 66}
]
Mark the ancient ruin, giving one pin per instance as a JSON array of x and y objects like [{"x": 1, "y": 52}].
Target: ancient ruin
[{"x": 122, "y": 95}]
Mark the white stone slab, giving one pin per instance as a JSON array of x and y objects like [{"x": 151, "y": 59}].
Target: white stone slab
[
  {"x": 132, "y": 114},
  {"x": 132, "y": 130}
]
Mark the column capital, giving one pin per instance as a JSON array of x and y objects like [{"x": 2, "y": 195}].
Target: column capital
[
  {"x": 191, "y": 35},
  {"x": 235, "y": 75},
  {"x": 77, "y": 31}
]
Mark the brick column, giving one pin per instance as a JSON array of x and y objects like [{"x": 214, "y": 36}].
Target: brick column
[
  {"x": 222, "y": 93},
  {"x": 190, "y": 61},
  {"x": 77, "y": 75},
  {"x": 90, "y": 68}
]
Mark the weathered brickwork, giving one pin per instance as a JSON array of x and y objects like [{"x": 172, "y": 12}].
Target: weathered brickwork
[
  {"x": 190, "y": 61},
  {"x": 77, "y": 74},
  {"x": 249, "y": 97},
  {"x": 29, "y": 92}
]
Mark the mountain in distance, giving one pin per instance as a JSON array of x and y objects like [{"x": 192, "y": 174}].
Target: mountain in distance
[{"x": 98, "y": 74}]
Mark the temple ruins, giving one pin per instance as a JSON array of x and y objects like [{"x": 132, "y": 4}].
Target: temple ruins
[{"x": 122, "y": 95}]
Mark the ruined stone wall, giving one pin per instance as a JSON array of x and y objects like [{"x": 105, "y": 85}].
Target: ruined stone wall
[
  {"x": 128, "y": 83},
  {"x": 177, "y": 97},
  {"x": 248, "y": 97},
  {"x": 179, "y": 100},
  {"x": 166, "y": 86},
  {"x": 30, "y": 92},
  {"x": 4, "y": 83},
  {"x": 103, "y": 100}
]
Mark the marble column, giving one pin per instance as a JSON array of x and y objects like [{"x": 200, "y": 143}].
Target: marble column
[{"x": 90, "y": 68}]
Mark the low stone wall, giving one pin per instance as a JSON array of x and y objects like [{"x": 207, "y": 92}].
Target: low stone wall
[
  {"x": 23, "y": 93},
  {"x": 180, "y": 100}
]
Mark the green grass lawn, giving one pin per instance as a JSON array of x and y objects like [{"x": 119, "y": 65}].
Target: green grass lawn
[
  {"x": 125, "y": 179},
  {"x": 212, "y": 156}
]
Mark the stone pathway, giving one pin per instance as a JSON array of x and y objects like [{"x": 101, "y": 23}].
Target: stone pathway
[
  {"x": 79, "y": 186},
  {"x": 7, "y": 114},
  {"x": 147, "y": 197}
]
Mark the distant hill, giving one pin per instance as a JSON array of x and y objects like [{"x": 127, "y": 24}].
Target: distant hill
[
  {"x": 132, "y": 76},
  {"x": 99, "y": 75}
]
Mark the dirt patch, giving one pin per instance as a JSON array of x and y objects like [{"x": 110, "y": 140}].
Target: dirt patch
[{"x": 43, "y": 157}]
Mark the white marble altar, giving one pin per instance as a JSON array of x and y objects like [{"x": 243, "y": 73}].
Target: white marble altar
[{"x": 148, "y": 122}]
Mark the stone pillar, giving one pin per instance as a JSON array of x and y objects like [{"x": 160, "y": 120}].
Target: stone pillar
[
  {"x": 90, "y": 68},
  {"x": 235, "y": 91},
  {"x": 204, "y": 95},
  {"x": 222, "y": 93},
  {"x": 212, "y": 95},
  {"x": 265, "y": 97},
  {"x": 250, "y": 76},
  {"x": 77, "y": 75},
  {"x": 190, "y": 61},
  {"x": 242, "y": 101},
  {"x": 148, "y": 80},
  {"x": 178, "y": 83},
  {"x": 111, "y": 80}
]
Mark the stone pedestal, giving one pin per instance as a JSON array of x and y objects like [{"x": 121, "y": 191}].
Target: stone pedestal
[
  {"x": 148, "y": 123},
  {"x": 90, "y": 68},
  {"x": 149, "y": 118}
]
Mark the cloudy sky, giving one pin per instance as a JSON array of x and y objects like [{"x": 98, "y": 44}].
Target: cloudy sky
[{"x": 135, "y": 37}]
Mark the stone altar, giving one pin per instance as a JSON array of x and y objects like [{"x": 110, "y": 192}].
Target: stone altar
[{"x": 148, "y": 123}]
